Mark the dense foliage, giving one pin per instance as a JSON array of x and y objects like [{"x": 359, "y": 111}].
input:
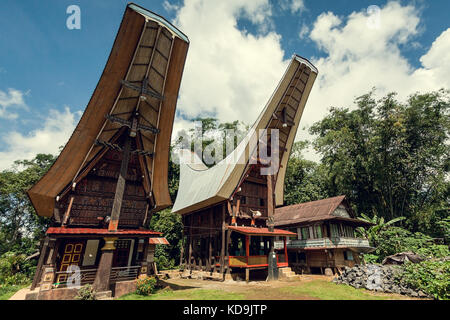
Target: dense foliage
[
  {"x": 168, "y": 256},
  {"x": 20, "y": 228},
  {"x": 430, "y": 276}
]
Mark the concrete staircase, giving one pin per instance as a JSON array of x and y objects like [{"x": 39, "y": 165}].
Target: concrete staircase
[{"x": 287, "y": 274}]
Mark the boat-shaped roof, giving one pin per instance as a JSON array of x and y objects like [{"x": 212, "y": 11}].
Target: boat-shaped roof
[
  {"x": 201, "y": 186},
  {"x": 150, "y": 53}
]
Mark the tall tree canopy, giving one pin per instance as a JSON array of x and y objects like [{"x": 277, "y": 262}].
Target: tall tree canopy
[
  {"x": 390, "y": 158},
  {"x": 20, "y": 227}
]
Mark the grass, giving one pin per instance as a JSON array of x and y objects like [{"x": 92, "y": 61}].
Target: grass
[
  {"x": 7, "y": 292},
  {"x": 315, "y": 289},
  {"x": 325, "y": 290},
  {"x": 188, "y": 294}
]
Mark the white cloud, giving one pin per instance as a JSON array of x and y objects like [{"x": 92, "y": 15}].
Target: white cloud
[
  {"x": 359, "y": 58},
  {"x": 293, "y": 6},
  {"x": 229, "y": 73},
  {"x": 170, "y": 7},
  {"x": 12, "y": 98},
  {"x": 56, "y": 132},
  {"x": 304, "y": 31}
]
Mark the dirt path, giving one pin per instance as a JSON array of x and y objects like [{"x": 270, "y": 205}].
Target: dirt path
[{"x": 20, "y": 295}]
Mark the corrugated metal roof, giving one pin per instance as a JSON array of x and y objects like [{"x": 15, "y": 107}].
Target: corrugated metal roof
[
  {"x": 94, "y": 231},
  {"x": 319, "y": 210},
  {"x": 158, "y": 241},
  {"x": 262, "y": 231},
  {"x": 308, "y": 210}
]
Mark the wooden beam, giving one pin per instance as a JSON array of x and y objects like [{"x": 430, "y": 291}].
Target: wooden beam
[
  {"x": 37, "y": 275},
  {"x": 183, "y": 243},
  {"x": 222, "y": 250},
  {"x": 227, "y": 249},
  {"x": 208, "y": 261},
  {"x": 190, "y": 243},
  {"x": 67, "y": 213},
  {"x": 120, "y": 187}
]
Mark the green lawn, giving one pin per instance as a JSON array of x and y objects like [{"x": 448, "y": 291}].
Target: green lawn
[
  {"x": 187, "y": 294},
  {"x": 7, "y": 292},
  {"x": 315, "y": 289},
  {"x": 325, "y": 290}
]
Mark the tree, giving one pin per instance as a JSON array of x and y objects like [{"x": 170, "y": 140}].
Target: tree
[
  {"x": 379, "y": 225},
  {"x": 391, "y": 159},
  {"x": 20, "y": 226},
  {"x": 170, "y": 225},
  {"x": 305, "y": 180}
]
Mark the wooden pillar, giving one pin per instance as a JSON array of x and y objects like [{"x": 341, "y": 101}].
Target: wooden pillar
[
  {"x": 272, "y": 260},
  {"x": 183, "y": 242},
  {"x": 222, "y": 249},
  {"x": 247, "y": 247},
  {"x": 120, "y": 187},
  {"x": 49, "y": 267},
  {"x": 209, "y": 259},
  {"x": 247, "y": 274},
  {"x": 190, "y": 243},
  {"x": 102, "y": 277},
  {"x": 42, "y": 255},
  {"x": 227, "y": 252},
  {"x": 145, "y": 259},
  {"x": 285, "y": 250},
  {"x": 190, "y": 253}
]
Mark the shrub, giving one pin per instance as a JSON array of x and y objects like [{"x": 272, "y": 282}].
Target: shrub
[
  {"x": 395, "y": 240},
  {"x": 146, "y": 286},
  {"x": 14, "y": 269},
  {"x": 434, "y": 251},
  {"x": 370, "y": 258},
  {"x": 430, "y": 276},
  {"x": 86, "y": 292}
]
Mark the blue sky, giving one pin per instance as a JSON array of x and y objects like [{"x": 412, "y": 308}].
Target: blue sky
[{"x": 48, "y": 72}]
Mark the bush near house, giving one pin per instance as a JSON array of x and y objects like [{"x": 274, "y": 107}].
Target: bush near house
[
  {"x": 146, "y": 286},
  {"x": 86, "y": 292}
]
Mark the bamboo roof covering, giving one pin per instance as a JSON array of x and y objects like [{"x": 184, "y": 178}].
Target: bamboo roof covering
[
  {"x": 201, "y": 186},
  {"x": 142, "y": 74}
]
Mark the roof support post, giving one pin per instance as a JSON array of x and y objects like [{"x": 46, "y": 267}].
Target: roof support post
[
  {"x": 120, "y": 187},
  {"x": 272, "y": 258},
  {"x": 37, "y": 275},
  {"x": 222, "y": 249},
  {"x": 102, "y": 277}
]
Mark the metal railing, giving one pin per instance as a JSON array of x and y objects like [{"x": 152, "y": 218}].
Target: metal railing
[
  {"x": 124, "y": 273},
  {"x": 87, "y": 276}
]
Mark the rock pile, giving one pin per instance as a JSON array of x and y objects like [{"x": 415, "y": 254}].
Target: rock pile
[{"x": 376, "y": 278}]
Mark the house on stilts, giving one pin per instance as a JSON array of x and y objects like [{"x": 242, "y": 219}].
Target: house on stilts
[
  {"x": 228, "y": 209},
  {"x": 112, "y": 174},
  {"x": 326, "y": 239}
]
